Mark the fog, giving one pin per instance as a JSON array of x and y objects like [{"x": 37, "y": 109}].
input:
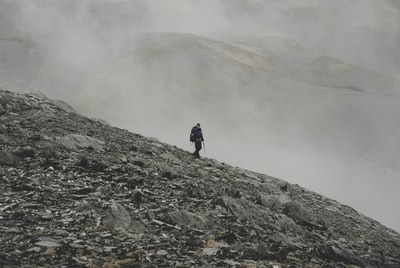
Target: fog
[{"x": 305, "y": 90}]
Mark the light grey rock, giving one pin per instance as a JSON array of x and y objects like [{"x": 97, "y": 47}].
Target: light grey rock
[
  {"x": 171, "y": 158},
  {"x": 210, "y": 251},
  {"x": 275, "y": 202},
  {"x": 167, "y": 170},
  {"x": 117, "y": 218},
  {"x": 244, "y": 209},
  {"x": 48, "y": 242},
  {"x": 76, "y": 142},
  {"x": 183, "y": 217},
  {"x": 162, "y": 252}
]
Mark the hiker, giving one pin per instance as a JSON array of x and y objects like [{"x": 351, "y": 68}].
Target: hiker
[{"x": 196, "y": 136}]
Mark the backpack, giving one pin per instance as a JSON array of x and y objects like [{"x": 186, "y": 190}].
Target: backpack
[{"x": 192, "y": 136}]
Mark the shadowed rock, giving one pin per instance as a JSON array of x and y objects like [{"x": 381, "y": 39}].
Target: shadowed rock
[{"x": 8, "y": 159}]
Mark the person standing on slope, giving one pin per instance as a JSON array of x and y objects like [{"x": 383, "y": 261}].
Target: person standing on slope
[{"x": 196, "y": 136}]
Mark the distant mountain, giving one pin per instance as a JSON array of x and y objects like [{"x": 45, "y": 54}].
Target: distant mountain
[{"x": 79, "y": 193}]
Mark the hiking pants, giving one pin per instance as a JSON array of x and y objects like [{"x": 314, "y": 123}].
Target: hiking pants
[{"x": 197, "y": 145}]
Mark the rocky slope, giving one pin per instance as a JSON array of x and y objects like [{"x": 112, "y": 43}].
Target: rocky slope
[{"x": 76, "y": 192}]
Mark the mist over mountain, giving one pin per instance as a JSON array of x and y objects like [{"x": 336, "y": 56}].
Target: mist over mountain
[{"x": 303, "y": 90}]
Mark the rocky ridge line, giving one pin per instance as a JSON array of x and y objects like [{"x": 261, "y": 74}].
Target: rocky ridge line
[{"x": 76, "y": 192}]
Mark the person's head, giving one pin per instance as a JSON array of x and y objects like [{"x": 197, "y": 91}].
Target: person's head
[{"x": 198, "y": 125}]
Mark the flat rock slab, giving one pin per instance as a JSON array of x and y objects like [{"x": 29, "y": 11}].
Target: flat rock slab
[
  {"x": 76, "y": 142},
  {"x": 183, "y": 217}
]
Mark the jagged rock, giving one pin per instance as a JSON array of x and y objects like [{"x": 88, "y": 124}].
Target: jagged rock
[
  {"x": 72, "y": 200},
  {"x": 117, "y": 218},
  {"x": 167, "y": 170},
  {"x": 275, "y": 202},
  {"x": 243, "y": 209},
  {"x": 336, "y": 254}
]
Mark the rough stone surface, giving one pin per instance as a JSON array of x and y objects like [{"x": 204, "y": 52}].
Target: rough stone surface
[
  {"x": 75, "y": 142},
  {"x": 9, "y": 159},
  {"x": 118, "y": 199}
]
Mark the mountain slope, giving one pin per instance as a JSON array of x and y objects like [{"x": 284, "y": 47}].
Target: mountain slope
[{"x": 77, "y": 192}]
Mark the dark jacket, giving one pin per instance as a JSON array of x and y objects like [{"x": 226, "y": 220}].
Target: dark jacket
[{"x": 197, "y": 134}]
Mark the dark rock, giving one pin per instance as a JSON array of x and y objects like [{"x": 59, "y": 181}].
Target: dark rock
[
  {"x": 84, "y": 162},
  {"x": 337, "y": 254},
  {"x": 50, "y": 163},
  {"x": 8, "y": 159},
  {"x": 137, "y": 197},
  {"x": 26, "y": 151},
  {"x": 228, "y": 237},
  {"x": 134, "y": 182},
  {"x": 22, "y": 184},
  {"x": 83, "y": 191},
  {"x": 139, "y": 163}
]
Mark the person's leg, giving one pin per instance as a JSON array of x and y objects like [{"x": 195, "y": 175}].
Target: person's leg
[
  {"x": 196, "y": 152},
  {"x": 198, "y": 148}
]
